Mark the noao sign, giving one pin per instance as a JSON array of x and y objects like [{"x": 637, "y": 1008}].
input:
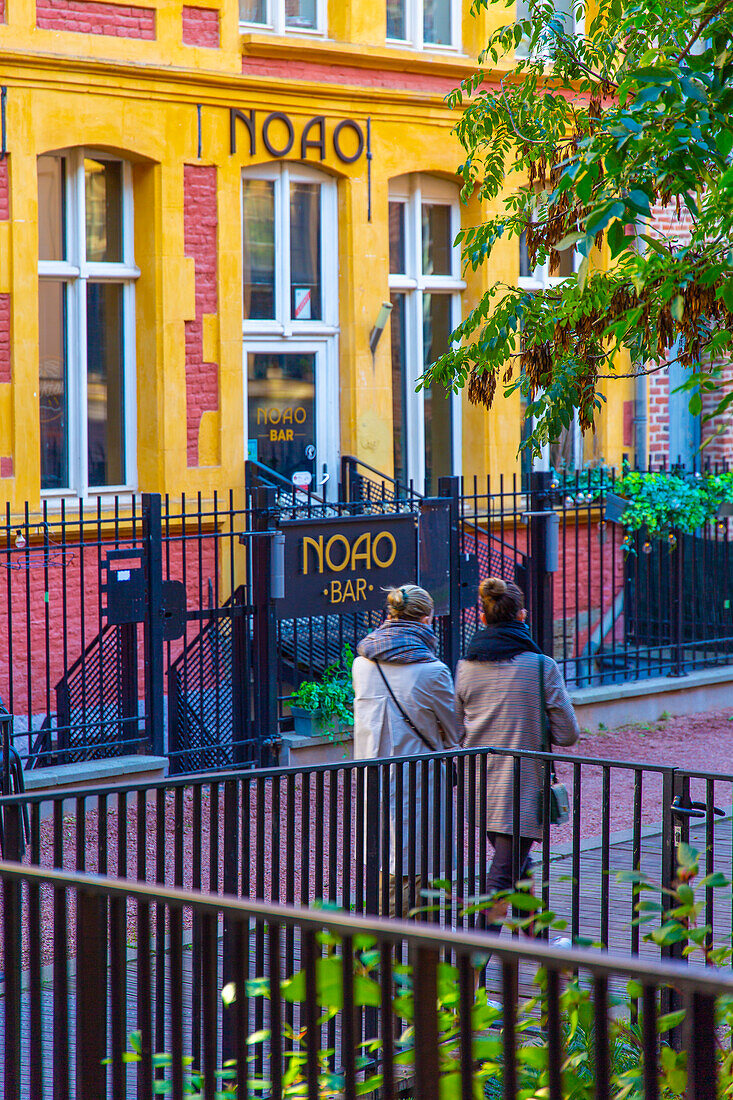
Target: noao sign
[{"x": 342, "y": 564}]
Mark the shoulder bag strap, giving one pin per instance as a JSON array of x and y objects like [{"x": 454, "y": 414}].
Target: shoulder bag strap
[
  {"x": 545, "y": 743},
  {"x": 409, "y": 721}
]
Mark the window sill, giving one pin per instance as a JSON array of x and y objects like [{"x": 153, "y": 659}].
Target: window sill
[{"x": 392, "y": 56}]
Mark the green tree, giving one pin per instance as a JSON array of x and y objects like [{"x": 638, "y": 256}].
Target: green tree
[{"x": 582, "y": 137}]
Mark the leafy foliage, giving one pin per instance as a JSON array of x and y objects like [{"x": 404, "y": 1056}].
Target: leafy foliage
[
  {"x": 664, "y": 502},
  {"x": 596, "y": 129},
  {"x": 331, "y": 697},
  {"x": 677, "y": 919}
]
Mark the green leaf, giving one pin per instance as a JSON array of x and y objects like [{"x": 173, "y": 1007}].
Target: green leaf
[
  {"x": 568, "y": 241},
  {"x": 640, "y": 201},
  {"x": 724, "y": 141},
  {"x": 677, "y": 308}
]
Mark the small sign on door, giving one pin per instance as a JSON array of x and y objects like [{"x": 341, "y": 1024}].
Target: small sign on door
[{"x": 302, "y": 295}]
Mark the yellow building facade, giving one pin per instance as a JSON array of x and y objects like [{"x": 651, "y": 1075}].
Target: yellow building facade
[{"x": 203, "y": 210}]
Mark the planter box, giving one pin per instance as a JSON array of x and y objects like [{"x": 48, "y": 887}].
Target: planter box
[
  {"x": 614, "y": 507},
  {"x": 308, "y": 723}
]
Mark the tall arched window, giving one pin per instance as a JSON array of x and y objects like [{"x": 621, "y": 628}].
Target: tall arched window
[
  {"x": 86, "y": 315},
  {"x": 290, "y": 321},
  {"x": 425, "y": 288}
]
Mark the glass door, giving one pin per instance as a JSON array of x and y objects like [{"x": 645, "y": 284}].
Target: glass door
[{"x": 288, "y": 426}]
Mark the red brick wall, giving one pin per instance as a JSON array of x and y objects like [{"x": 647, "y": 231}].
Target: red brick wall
[
  {"x": 4, "y": 188},
  {"x": 4, "y": 337},
  {"x": 89, "y": 17},
  {"x": 2, "y": 11},
  {"x": 666, "y": 223},
  {"x": 6, "y": 466},
  {"x": 200, "y": 27},
  {"x": 200, "y": 243}
]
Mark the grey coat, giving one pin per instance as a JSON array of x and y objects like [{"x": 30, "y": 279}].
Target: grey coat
[
  {"x": 498, "y": 704},
  {"x": 425, "y": 693}
]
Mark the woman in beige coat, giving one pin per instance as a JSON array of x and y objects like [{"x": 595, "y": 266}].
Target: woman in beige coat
[
  {"x": 498, "y": 703},
  {"x": 397, "y": 676}
]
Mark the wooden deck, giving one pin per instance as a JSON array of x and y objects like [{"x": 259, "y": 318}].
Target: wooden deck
[{"x": 619, "y": 940}]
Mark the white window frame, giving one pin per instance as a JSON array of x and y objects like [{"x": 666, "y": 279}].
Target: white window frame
[
  {"x": 282, "y": 175},
  {"x": 414, "y": 28},
  {"x": 539, "y": 280},
  {"x": 275, "y": 20},
  {"x": 282, "y": 335},
  {"x": 578, "y": 23},
  {"x": 76, "y": 272},
  {"x": 412, "y": 191}
]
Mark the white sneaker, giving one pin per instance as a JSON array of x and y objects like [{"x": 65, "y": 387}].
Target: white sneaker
[{"x": 564, "y": 943}]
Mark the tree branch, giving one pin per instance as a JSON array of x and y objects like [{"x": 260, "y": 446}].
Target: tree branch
[{"x": 706, "y": 22}]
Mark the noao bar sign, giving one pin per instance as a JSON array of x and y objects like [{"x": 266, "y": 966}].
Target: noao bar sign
[{"x": 342, "y": 564}]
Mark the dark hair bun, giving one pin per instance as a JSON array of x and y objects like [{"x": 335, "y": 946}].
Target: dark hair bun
[{"x": 493, "y": 588}]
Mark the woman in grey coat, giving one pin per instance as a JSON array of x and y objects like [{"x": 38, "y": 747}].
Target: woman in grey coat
[
  {"x": 498, "y": 703},
  {"x": 403, "y": 706}
]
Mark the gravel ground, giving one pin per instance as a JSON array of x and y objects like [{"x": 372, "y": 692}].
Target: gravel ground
[{"x": 698, "y": 742}]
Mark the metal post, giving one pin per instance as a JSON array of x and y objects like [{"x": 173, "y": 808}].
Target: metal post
[
  {"x": 91, "y": 994},
  {"x": 265, "y": 628},
  {"x": 675, "y": 830},
  {"x": 152, "y": 539},
  {"x": 676, "y": 609},
  {"x": 540, "y": 579},
  {"x": 371, "y": 843},
  {"x": 450, "y": 487}
]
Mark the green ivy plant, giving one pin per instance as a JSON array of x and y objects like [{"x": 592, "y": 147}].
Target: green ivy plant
[
  {"x": 663, "y": 502},
  {"x": 581, "y": 486},
  {"x": 678, "y": 920},
  {"x": 331, "y": 697}
]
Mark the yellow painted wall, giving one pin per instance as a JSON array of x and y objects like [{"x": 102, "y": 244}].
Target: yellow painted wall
[{"x": 138, "y": 99}]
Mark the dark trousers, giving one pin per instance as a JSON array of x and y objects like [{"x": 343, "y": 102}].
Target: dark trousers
[{"x": 500, "y": 875}]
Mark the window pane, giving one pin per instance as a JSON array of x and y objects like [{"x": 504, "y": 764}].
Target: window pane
[
  {"x": 436, "y": 22},
  {"x": 281, "y": 411},
  {"x": 437, "y": 328},
  {"x": 305, "y": 251},
  {"x": 437, "y": 248},
  {"x": 397, "y": 238},
  {"x": 52, "y": 385},
  {"x": 252, "y": 11},
  {"x": 525, "y": 271},
  {"x": 399, "y": 386},
  {"x": 396, "y": 19},
  {"x": 105, "y": 385},
  {"x": 103, "y": 188},
  {"x": 300, "y": 13},
  {"x": 51, "y": 208},
  {"x": 259, "y": 250}
]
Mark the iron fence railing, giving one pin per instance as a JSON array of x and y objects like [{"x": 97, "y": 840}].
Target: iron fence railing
[
  {"x": 65, "y": 1021},
  {"x": 134, "y": 628},
  {"x": 336, "y": 832}
]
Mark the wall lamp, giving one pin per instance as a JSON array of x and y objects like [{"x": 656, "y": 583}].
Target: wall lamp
[{"x": 382, "y": 318}]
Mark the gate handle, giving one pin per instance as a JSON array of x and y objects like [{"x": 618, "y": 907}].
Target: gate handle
[{"x": 693, "y": 809}]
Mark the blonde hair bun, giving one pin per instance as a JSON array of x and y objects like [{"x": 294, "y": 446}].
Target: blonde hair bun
[{"x": 409, "y": 601}]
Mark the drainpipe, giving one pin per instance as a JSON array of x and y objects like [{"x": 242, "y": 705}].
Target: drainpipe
[
  {"x": 640, "y": 416},
  {"x": 640, "y": 403}
]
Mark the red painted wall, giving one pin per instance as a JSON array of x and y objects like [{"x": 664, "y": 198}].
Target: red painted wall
[
  {"x": 88, "y": 17},
  {"x": 4, "y": 186},
  {"x": 200, "y": 27},
  {"x": 200, "y": 243},
  {"x": 5, "y": 371},
  {"x": 290, "y": 70}
]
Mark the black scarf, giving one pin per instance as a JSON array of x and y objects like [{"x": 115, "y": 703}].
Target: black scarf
[{"x": 501, "y": 642}]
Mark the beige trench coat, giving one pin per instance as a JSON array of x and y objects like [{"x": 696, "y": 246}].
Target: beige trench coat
[
  {"x": 425, "y": 693},
  {"x": 498, "y": 703}
]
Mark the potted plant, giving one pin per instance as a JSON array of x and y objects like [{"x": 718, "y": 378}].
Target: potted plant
[{"x": 325, "y": 706}]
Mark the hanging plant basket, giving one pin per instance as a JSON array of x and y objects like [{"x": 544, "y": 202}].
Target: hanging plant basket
[{"x": 614, "y": 507}]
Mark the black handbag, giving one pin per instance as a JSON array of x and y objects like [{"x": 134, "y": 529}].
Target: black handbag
[{"x": 559, "y": 797}]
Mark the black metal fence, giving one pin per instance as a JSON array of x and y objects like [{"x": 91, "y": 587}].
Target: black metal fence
[
  {"x": 69, "y": 1037},
  {"x": 335, "y": 833},
  {"x": 149, "y": 626}
]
